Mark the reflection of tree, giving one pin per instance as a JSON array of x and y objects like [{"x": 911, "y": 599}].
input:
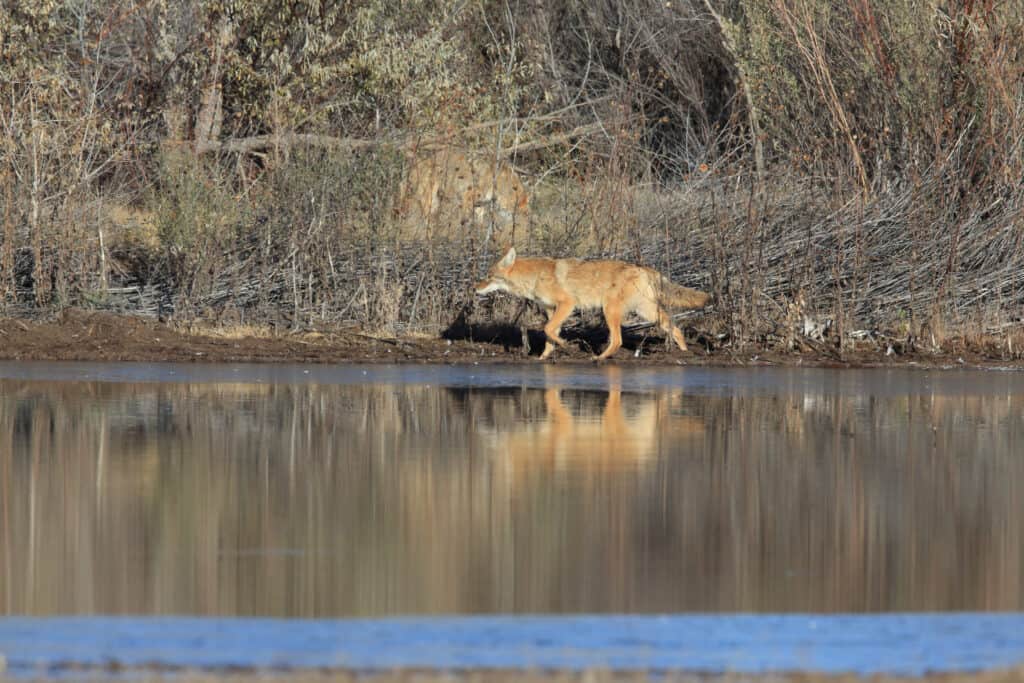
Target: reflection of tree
[{"x": 316, "y": 500}]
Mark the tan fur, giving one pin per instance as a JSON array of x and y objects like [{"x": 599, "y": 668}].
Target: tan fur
[
  {"x": 450, "y": 180},
  {"x": 627, "y": 433},
  {"x": 561, "y": 286}
]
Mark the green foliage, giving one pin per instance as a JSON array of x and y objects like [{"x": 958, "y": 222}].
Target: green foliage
[
  {"x": 412, "y": 62},
  {"x": 283, "y": 60},
  {"x": 26, "y": 26},
  {"x": 356, "y": 64}
]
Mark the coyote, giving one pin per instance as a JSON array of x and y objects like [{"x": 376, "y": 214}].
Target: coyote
[
  {"x": 563, "y": 285},
  {"x": 454, "y": 181}
]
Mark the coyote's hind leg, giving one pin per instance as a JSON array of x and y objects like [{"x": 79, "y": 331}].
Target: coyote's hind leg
[
  {"x": 613, "y": 318},
  {"x": 652, "y": 312}
]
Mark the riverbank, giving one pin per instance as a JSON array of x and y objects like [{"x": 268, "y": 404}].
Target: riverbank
[{"x": 83, "y": 335}]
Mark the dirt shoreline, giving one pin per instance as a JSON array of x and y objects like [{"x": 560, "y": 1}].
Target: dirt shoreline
[{"x": 83, "y": 335}]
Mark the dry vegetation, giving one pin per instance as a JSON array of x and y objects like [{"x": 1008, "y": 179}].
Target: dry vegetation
[{"x": 830, "y": 171}]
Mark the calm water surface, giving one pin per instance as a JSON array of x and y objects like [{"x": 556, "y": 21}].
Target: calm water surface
[{"x": 367, "y": 491}]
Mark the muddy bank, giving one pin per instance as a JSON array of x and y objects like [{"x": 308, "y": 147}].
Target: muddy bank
[{"x": 82, "y": 335}]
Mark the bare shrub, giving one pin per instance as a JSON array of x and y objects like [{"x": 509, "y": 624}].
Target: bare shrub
[{"x": 832, "y": 171}]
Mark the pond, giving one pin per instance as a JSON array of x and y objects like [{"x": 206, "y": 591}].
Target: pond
[{"x": 349, "y": 491}]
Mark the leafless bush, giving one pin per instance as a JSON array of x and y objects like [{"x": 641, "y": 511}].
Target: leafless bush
[{"x": 851, "y": 165}]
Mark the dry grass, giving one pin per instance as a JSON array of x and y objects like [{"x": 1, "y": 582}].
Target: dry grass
[
  {"x": 886, "y": 197},
  {"x": 226, "y": 331}
]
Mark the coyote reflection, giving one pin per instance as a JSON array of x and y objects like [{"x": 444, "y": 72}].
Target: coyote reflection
[{"x": 629, "y": 432}]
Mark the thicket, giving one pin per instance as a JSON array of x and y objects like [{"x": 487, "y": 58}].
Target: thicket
[{"x": 851, "y": 167}]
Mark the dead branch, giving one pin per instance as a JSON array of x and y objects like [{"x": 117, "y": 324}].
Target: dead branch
[{"x": 256, "y": 143}]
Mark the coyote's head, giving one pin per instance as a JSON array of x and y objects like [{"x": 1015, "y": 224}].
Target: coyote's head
[
  {"x": 467, "y": 186},
  {"x": 497, "y": 279}
]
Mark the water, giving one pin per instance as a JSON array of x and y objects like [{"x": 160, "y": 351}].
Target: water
[
  {"x": 326, "y": 492},
  {"x": 889, "y": 644}
]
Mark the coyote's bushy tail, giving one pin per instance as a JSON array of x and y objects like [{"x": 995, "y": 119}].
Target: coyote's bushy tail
[{"x": 683, "y": 297}]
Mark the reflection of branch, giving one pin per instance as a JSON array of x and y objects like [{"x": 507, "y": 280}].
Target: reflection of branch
[{"x": 256, "y": 143}]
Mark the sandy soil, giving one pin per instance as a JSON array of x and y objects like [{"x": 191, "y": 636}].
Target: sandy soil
[{"x": 82, "y": 335}]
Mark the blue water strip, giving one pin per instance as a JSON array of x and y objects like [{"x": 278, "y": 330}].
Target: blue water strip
[{"x": 896, "y": 644}]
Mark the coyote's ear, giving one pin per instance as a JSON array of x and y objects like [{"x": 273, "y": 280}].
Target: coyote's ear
[{"x": 508, "y": 259}]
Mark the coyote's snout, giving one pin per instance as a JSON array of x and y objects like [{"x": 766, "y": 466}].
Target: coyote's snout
[{"x": 561, "y": 286}]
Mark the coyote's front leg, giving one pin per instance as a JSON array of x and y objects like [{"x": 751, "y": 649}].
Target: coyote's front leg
[{"x": 555, "y": 319}]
